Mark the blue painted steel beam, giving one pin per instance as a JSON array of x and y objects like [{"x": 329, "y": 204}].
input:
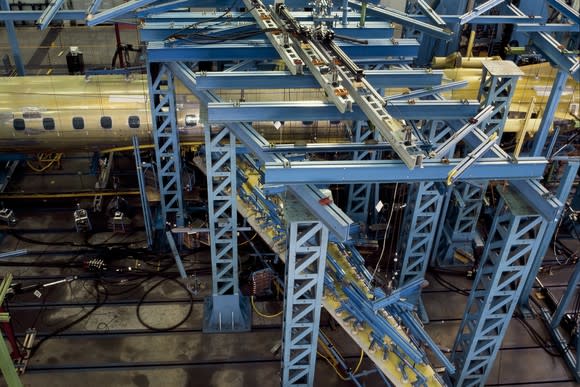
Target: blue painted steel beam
[
  {"x": 13, "y": 40},
  {"x": 392, "y": 171},
  {"x": 566, "y": 184},
  {"x": 430, "y": 13},
  {"x": 202, "y": 17},
  {"x": 570, "y": 13},
  {"x": 553, "y": 50},
  {"x": 489, "y": 19},
  {"x": 549, "y": 112},
  {"x": 332, "y": 216},
  {"x": 551, "y": 27},
  {"x": 539, "y": 198},
  {"x": 318, "y": 110},
  {"x": 566, "y": 298},
  {"x": 262, "y": 50},
  {"x": 285, "y": 80},
  {"x": 192, "y": 17},
  {"x": 163, "y": 7},
  {"x": 162, "y": 30},
  {"x": 116, "y": 12},
  {"x": 48, "y": 14},
  {"x": 406, "y": 20},
  {"x": 94, "y": 7},
  {"x": 479, "y": 10},
  {"x": 427, "y": 92},
  {"x": 34, "y": 15}
]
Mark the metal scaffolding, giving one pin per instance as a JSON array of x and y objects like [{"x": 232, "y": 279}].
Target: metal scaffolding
[
  {"x": 515, "y": 234},
  {"x": 166, "y": 140},
  {"x": 225, "y": 309},
  {"x": 305, "y": 265}
]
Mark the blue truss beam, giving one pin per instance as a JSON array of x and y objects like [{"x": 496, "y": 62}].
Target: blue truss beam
[
  {"x": 424, "y": 201},
  {"x": 566, "y": 184},
  {"x": 305, "y": 267},
  {"x": 359, "y": 194},
  {"x": 332, "y": 216},
  {"x": 225, "y": 310},
  {"x": 48, "y": 14},
  {"x": 570, "y": 13},
  {"x": 284, "y": 79},
  {"x": 260, "y": 49},
  {"x": 406, "y": 20},
  {"x": 116, "y": 12},
  {"x": 166, "y": 141},
  {"x": 515, "y": 234},
  {"x": 479, "y": 10},
  {"x": 319, "y": 110},
  {"x": 392, "y": 171}
]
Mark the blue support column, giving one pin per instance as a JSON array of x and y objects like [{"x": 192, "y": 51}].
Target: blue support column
[
  {"x": 147, "y": 219},
  {"x": 497, "y": 87},
  {"x": 359, "y": 194},
  {"x": 571, "y": 356},
  {"x": 458, "y": 227},
  {"x": 515, "y": 234},
  {"x": 225, "y": 310},
  {"x": 566, "y": 184},
  {"x": 305, "y": 265},
  {"x": 166, "y": 140},
  {"x": 419, "y": 226},
  {"x": 498, "y": 83},
  {"x": 549, "y": 112},
  {"x": 13, "y": 40}
]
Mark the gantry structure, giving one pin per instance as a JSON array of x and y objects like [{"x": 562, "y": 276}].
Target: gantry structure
[{"x": 447, "y": 153}]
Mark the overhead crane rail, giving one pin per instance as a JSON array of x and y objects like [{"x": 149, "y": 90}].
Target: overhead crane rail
[{"x": 342, "y": 80}]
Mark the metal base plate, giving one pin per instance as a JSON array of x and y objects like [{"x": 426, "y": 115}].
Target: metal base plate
[{"x": 227, "y": 313}]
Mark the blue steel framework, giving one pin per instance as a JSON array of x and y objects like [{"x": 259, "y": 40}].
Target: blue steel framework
[
  {"x": 305, "y": 265},
  {"x": 225, "y": 310},
  {"x": 564, "y": 345},
  {"x": 515, "y": 234},
  {"x": 497, "y": 88},
  {"x": 478, "y": 348},
  {"x": 424, "y": 202},
  {"x": 564, "y": 188},
  {"x": 166, "y": 140},
  {"x": 147, "y": 221},
  {"x": 359, "y": 195}
]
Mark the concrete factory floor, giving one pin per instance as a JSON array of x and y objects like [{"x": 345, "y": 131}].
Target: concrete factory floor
[{"x": 112, "y": 348}]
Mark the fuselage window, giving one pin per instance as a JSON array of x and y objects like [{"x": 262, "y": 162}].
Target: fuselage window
[
  {"x": 48, "y": 123},
  {"x": 78, "y": 123},
  {"x": 106, "y": 122},
  {"x": 190, "y": 120},
  {"x": 134, "y": 122},
  {"x": 19, "y": 124}
]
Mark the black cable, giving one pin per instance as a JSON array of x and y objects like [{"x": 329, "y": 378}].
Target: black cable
[
  {"x": 99, "y": 302},
  {"x": 194, "y": 25},
  {"x": 171, "y": 327}
]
